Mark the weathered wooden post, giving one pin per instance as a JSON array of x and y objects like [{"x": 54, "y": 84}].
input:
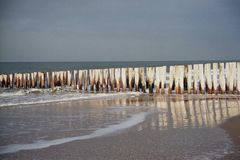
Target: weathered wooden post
[
  {"x": 111, "y": 79},
  {"x": 21, "y": 80},
  {"x": 85, "y": 79},
  {"x": 150, "y": 77},
  {"x": 28, "y": 80},
  {"x": 201, "y": 79},
  {"x": 80, "y": 79},
  {"x": 142, "y": 78},
  {"x": 131, "y": 78},
  {"x": 222, "y": 81},
  {"x": 52, "y": 80},
  {"x": 163, "y": 71},
  {"x": 195, "y": 78},
  {"x": 1, "y": 80},
  {"x": 101, "y": 79},
  {"x": 231, "y": 76},
  {"x": 117, "y": 78},
  {"x": 48, "y": 84},
  {"x": 124, "y": 79},
  {"x": 157, "y": 80},
  {"x": 177, "y": 76},
  {"x": 189, "y": 79},
  {"x": 31, "y": 79},
  {"x": 5, "y": 80},
  {"x": 11, "y": 80},
  {"x": 171, "y": 79},
  {"x": 105, "y": 79},
  {"x": 136, "y": 79},
  {"x": 208, "y": 76},
  {"x": 181, "y": 79},
  {"x": 24, "y": 81},
  {"x": 75, "y": 79},
  {"x": 91, "y": 79},
  {"x": 95, "y": 75},
  {"x": 41, "y": 78},
  {"x": 69, "y": 78},
  {"x": 215, "y": 78},
  {"x": 238, "y": 77}
]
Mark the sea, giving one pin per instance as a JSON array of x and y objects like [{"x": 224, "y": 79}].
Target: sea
[{"x": 22, "y": 67}]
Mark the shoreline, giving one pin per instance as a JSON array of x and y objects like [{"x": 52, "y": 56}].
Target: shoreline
[
  {"x": 232, "y": 127},
  {"x": 180, "y": 127}
]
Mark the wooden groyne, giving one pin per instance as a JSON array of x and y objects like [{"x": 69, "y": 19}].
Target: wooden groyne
[{"x": 210, "y": 78}]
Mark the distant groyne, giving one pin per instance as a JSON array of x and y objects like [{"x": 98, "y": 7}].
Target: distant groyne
[{"x": 210, "y": 78}]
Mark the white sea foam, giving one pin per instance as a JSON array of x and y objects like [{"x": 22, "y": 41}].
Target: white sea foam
[
  {"x": 49, "y": 98},
  {"x": 132, "y": 121},
  {"x": 15, "y": 93}
]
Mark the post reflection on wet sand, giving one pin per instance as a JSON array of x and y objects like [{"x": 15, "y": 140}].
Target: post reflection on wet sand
[{"x": 186, "y": 111}]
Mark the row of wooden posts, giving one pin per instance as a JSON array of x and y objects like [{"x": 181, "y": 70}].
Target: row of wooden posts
[{"x": 197, "y": 78}]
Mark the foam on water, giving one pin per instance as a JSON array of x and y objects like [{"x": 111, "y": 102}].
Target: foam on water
[
  {"x": 39, "y": 96},
  {"x": 132, "y": 121}
]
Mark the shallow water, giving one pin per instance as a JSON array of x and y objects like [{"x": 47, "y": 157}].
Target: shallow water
[{"x": 189, "y": 119}]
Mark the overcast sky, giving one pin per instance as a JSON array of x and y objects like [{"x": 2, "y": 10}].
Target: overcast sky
[{"x": 115, "y": 30}]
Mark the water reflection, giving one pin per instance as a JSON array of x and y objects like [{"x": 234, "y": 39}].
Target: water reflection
[{"x": 183, "y": 111}]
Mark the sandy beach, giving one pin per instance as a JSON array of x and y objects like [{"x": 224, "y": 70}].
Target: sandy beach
[{"x": 131, "y": 127}]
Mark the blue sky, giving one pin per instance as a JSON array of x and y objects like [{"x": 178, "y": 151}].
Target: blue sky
[{"x": 119, "y": 30}]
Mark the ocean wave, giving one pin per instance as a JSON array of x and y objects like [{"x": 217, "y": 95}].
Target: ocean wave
[
  {"x": 29, "y": 98},
  {"x": 130, "y": 122}
]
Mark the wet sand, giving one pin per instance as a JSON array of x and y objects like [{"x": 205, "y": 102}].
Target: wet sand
[{"x": 178, "y": 127}]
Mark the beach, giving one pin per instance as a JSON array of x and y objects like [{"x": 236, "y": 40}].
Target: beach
[{"x": 136, "y": 126}]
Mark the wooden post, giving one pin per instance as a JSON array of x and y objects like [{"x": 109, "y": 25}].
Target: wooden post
[
  {"x": 4, "y": 80},
  {"x": 157, "y": 80},
  {"x": 48, "y": 84},
  {"x": 41, "y": 79},
  {"x": 101, "y": 79},
  {"x": 234, "y": 72},
  {"x": 85, "y": 79},
  {"x": 150, "y": 77},
  {"x": 15, "y": 80},
  {"x": 131, "y": 78},
  {"x": 142, "y": 79},
  {"x": 80, "y": 79},
  {"x": 124, "y": 79},
  {"x": 195, "y": 78},
  {"x": 28, "y": 80},
  {"x": 238, "y": 77},
  {"x": 69, "y": 78},
  {"x": 11, "y": 80},
  {"x": 181, "y": 79},
  {"x": 163, "y": 71},
  {"x": 52, "y": 80},
  {"x": 1, "y": 80},
  {"x": 176, "y": 75},
  {"x": 222, "y": 81},
  {"x": 231, "y": 76},
  {"x": 105, "y": 79},
  {"x": 171, "y": 79},
  {"x": 21, "y": 80},
  {"x": 117, "y": 78},
  {"x": 201, "y": 79},
  {"x": 97, "y": 79},
  {"x": 208, "y": 76},
  {"x": 136, "y": 79},
  {"x": 189, "y": 79},
  {"x": 215, "y": 78},
  {"x": 75, "y": 79}
]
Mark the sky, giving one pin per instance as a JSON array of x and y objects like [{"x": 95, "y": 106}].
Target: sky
[{"x": 119, "y": 30}]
